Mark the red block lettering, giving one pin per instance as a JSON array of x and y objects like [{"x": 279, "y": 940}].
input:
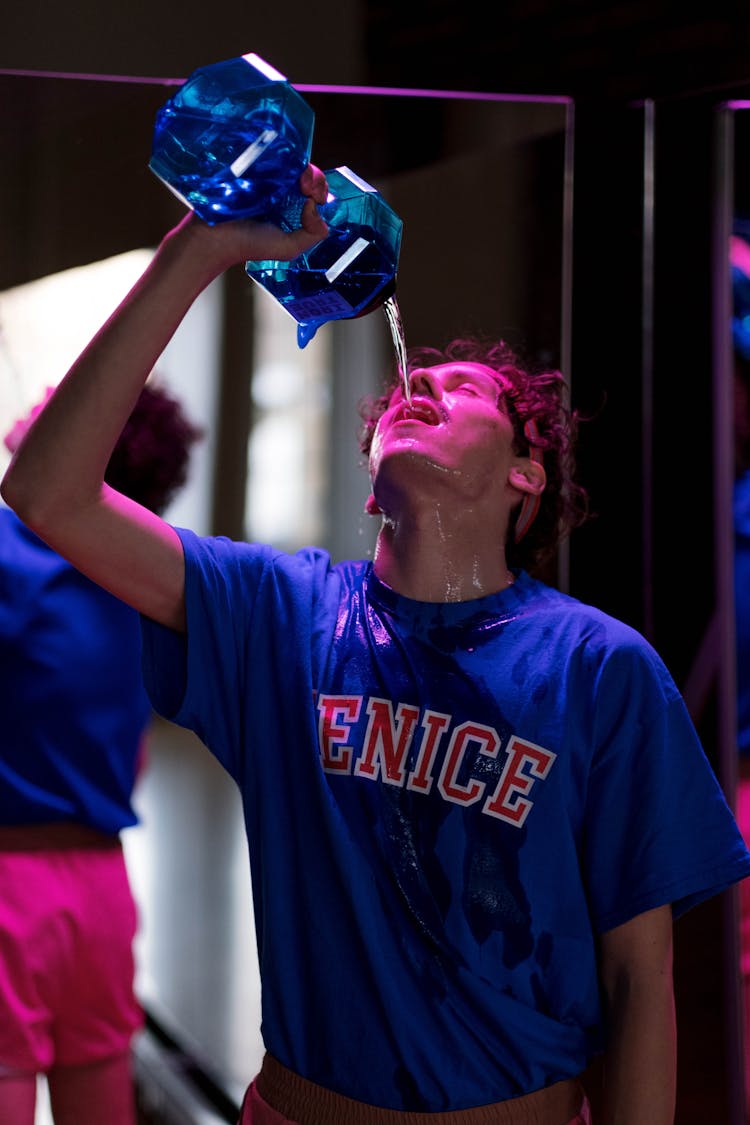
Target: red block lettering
[
  {"x": 526, "y": 763},
  {"x": 421, "y": 776},
  {"x": 387, "y": 743},
  {"x": 463, "y": 736},
  {"x": 335, "y": 757}
]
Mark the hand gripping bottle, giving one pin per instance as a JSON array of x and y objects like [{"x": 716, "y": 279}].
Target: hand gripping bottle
[
  {"x": 349, "y": 273},
  {"x": 232, "y": 144}
]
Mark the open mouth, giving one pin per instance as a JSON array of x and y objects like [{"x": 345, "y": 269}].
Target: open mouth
[{"x": 420, "y": 410}]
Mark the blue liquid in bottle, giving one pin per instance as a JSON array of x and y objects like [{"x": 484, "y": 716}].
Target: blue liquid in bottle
[
  {"x": 233, "y": 141},
  {"x": 350, "y": 272}
]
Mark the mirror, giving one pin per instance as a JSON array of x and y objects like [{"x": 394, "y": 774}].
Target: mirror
[
  {"x": 76, "y": 190},
  {"x": 731, "y": 631}
]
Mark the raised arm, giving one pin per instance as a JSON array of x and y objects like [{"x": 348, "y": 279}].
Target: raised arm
[{"x": 55, "y": 481}]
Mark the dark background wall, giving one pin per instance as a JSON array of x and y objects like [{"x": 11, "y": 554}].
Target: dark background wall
[{"x": 620, "y": 50}]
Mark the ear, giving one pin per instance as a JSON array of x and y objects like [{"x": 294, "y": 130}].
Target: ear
[
  {"x": 528, "y": 476},
  {"x": 371, "y": 506}
]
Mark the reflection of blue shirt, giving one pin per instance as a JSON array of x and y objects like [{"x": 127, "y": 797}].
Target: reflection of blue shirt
[
  {"x": 445, "y": 805},
  {"x": 72, "y": 703},
  {"x": 742, "y": 607}
]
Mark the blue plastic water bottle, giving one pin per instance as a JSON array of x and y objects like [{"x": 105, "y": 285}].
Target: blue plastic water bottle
[
  {"x": 232, "y": 143},
  {"x": 350, "y": 272}
]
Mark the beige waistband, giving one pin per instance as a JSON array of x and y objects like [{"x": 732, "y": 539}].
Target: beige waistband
[
  {"x": 53, "y": 836},
  {"x": 309, "y": 1104}
]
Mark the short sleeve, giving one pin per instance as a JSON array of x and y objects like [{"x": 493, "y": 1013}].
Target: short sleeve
[{"x": 658, "y": 828}]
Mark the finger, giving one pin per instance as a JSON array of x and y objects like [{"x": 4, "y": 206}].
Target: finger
[
  {"x": 314, "y": 184},
  {"x": 312, "y": 221}
]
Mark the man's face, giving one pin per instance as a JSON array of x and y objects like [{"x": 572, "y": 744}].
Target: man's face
[{"x": 454, "y": 432}]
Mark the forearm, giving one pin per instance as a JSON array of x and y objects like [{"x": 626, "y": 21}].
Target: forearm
[
  {"x": 60, "y": 465},
  {"x": 640, "y": 1060},
  {"x": 55, "y": 481}
]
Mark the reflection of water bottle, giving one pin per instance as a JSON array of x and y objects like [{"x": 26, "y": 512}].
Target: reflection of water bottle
[
  {"x": 350, "y": 272},
  {"x": 233, "y": 141}
]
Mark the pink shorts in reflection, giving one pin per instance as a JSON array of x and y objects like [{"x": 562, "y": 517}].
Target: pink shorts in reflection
[
  {"x": 255, "y": 1111},
  {"x": 67, "y": 923}
]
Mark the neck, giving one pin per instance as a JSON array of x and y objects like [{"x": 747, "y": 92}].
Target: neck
[{"x": 433, "y": 563}]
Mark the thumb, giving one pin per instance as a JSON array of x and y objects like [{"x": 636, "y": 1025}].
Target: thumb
[{"x": 312, "y": 221}]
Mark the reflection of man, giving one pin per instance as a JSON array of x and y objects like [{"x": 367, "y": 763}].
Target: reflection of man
[{"x": 74, "y": 713}]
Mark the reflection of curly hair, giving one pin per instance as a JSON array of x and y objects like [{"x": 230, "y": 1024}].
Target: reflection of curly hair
[
  {"x": 526, "y": 394},
  {"x": 150, "y": 461}
]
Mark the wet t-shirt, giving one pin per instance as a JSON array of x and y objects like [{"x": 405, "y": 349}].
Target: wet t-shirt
[{"x": 445, "y": 805}]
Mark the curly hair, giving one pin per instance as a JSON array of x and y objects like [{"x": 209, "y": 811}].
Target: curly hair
[
  {"x": 150, "y": 461},
  {"x": 527, "y": 394}
]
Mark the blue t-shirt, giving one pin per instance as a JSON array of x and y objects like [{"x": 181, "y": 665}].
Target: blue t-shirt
[
  {"x": 73, "y": 705},
  {"x": 445, "y": 805}
]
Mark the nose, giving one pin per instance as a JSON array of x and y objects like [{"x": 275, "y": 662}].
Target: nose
[{"x": 422, "y": 381}]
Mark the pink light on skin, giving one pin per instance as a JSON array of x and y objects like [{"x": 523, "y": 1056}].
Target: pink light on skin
[{"x": 20, "y": 427}]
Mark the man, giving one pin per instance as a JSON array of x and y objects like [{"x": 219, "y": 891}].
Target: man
[
  {"x": 75, "y": 714},
  {"x": 472, "y": 803}
]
